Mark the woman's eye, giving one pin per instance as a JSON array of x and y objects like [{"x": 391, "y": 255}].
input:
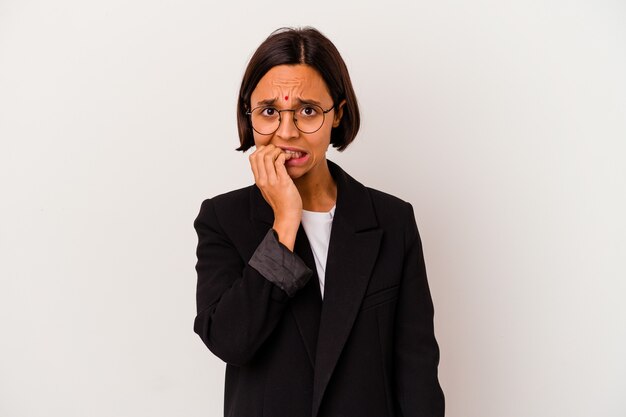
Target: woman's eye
[
  {"x": 308, "y": 111},
  {"x": 268, "y": 112}
]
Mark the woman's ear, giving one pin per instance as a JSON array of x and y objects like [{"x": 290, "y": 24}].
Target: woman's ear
[{"x": 338, "y": 113}]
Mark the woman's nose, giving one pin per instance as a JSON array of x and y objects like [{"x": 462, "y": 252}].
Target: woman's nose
[{"x": 287, "y": 128}]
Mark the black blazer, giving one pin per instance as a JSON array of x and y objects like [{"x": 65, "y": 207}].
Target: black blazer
[{"x": 367, "y": 350}]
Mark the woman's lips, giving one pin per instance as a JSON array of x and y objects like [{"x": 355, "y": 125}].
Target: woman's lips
[
  {"x": 296, "y": 158},
  {"x": 294, "y": 154}
]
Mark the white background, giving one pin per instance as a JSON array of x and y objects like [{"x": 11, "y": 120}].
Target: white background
[{"x": 502, "y": 122}]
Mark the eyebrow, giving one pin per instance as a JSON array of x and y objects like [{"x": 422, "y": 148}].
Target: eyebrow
[
  {"x": 309, "y": 101},
  {"x": 267, "y": 102},
  {"x": 272, "y": 101}
]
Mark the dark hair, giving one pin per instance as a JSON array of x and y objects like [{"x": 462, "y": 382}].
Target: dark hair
[{"x": 293, "y": 46}]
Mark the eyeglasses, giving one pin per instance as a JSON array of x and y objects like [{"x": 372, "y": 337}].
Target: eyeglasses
[{"x": 308, "y": 118}]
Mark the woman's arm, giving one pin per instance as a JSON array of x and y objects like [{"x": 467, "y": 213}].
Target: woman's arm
[
  {"x": 416, "y": 351},
  {"x": 238, "y": 306}
]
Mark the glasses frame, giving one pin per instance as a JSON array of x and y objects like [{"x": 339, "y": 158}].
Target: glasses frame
[{"x": 295, "y": 120}]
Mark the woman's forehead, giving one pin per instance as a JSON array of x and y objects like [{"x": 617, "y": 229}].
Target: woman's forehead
[{"x": 286, "y": 81}]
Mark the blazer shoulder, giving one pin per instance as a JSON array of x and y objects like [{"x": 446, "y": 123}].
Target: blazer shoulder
[
  {"x": 231, "y": 197},
  {"x": 231, "y": 204},
  {"x": 385, "y": 203},
  {"x": 385, "y": 198}
]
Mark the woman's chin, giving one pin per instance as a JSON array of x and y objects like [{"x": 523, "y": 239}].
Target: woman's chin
[{"x": 295, "y": 172}]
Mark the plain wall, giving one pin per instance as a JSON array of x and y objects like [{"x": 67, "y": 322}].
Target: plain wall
[{"x": 502, "y": 122}]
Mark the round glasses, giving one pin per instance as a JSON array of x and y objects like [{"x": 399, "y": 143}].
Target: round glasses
[{"x": 308, "y": 118}]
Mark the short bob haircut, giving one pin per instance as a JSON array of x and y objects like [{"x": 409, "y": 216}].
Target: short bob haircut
[{"x": 293, "y": 46}]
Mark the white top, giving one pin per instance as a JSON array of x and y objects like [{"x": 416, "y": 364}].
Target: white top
[{"x": 317, "y": 225}]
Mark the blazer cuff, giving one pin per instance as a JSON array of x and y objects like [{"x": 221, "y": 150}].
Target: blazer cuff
[{"x": 279, "y": 265}]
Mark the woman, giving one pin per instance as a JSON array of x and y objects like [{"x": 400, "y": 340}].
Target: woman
[{"x": 312, "y": 287}]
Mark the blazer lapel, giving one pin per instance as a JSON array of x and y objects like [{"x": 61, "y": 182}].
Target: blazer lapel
[
  {"x": 353, "y": 249},
  {"x": 306, "y": 305}
]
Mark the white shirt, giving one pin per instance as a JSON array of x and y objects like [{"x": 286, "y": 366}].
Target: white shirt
[{"x": 317, "y": 226}]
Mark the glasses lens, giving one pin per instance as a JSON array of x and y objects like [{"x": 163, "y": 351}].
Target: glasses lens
[
  {"x": 265, "y": 120},
  {"x": 309, "y": 118}
]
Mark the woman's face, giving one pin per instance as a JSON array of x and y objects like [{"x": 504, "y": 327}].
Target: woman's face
[{"x": 288, "y": 87}]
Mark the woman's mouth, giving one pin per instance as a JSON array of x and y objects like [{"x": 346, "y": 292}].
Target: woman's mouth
[
  {"x": 296, "y": 157},
  {"x": 295, "y": 154}
]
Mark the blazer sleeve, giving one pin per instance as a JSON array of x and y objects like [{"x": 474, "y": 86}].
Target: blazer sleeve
[
  {"x": 415, "y": 348},
  {"x": 237, "y": 305}
]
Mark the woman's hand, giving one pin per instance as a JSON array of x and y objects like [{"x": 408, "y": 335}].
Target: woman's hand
[{"x": 279, "y": 190}]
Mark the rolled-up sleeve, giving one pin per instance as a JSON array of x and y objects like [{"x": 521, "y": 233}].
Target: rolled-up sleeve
[{"x": 279, "y": 265}]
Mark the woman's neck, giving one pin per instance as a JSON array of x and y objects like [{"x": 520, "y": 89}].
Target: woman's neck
[{"x": 317, "y": 190}]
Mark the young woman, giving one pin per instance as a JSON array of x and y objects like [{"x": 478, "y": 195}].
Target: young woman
[{"x": 311, "y": 286}]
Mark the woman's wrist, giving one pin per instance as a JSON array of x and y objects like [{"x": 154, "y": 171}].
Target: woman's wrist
[{"x": 287, "y": 231}]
